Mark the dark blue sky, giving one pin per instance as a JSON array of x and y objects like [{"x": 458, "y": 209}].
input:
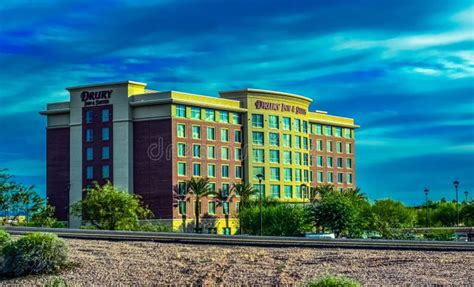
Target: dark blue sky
[{"x": 403, "y": 69}]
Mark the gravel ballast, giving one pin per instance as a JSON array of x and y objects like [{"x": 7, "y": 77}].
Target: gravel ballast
[{"x": 147, "y": 263}]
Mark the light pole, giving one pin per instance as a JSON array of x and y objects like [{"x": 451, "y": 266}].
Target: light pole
[
  {"x": 465, "y": 194},
  {"x": 427, "y": 210},
  {"x": 260, "y": 178},
  {"x": 305, "y": 195},
  {"x": 456, "y": 185}
]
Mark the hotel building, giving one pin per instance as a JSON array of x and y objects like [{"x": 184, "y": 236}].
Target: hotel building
[{"x": 149, "y": 142}]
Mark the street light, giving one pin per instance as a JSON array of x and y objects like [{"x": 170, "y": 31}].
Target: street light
[
  {"x": 456, "y": 185},
  {"x": 304, "y": 188},
  {"x": 260, "y": 178},
  {"x": 427, "y": 210},
  {"x": 465, "y": 194}
]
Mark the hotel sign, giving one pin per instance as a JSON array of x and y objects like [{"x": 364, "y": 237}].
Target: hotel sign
[
  {"x": 96, "y": 98},
  {"x": 279, "y": 107}
]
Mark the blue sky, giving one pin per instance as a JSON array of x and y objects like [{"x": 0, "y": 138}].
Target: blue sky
[{"x": 403, "y": 69}]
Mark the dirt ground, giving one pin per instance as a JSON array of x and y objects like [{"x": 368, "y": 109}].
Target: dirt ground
[{"x": 102, "y": 263}]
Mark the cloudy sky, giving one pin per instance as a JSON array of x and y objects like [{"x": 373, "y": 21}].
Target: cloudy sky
[{"x": 403, "y": 69}]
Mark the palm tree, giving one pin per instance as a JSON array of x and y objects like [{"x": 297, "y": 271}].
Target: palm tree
[
  {"x": 199, "y": 187},
  {"x": 320, "y": 191},
  {"x": 355, "y": 193},
  {"x": 223, "y": 196},
  {"x": 245, "y": 191}
]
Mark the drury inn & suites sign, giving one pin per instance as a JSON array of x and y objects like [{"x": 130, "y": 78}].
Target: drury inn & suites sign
[
  {"x": 96, "y": 98},
  {"x": 279, "y": 107}
]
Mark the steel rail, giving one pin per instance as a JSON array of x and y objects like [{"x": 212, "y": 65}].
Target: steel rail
[{"x": 244, "y": 240}]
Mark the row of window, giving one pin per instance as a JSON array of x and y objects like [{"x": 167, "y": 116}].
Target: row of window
[
  {"x": 210, "y": 133},
  {"x": 211, "y": 152},
  {"x": 298, "y": 159},
  {"x": 298, "y": 175},
  {"x": 329, "y": 146},
  {"x": 211, "y": 170},
  {"x": 105, "y": 172},
  {"x": 105, "y": 134},
  {"x": 299, "y": 126},
  {"x": 208, "y": 115},
  {"x": 330, "y": 162},
  {"x": 105, "y": 116},
  {"x": 211, "y": 207},
  {"x": 104, "y": 155}
]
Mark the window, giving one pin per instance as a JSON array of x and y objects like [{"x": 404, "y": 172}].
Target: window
[
  {"x": 211, "y": 207},
  {"x": 338, "y": 131},
  {"x": 319, "y": 145},
  {"x": 257, "y": 138},
  {"x": 274, "y": 173},
  {"x": 258, "y": 170},
  {"x": 329, "y": 146},
  {"x": 339, "y": 147},
  {"x": 297, "y": 125},
  {"x": 288, "y": 191},
  {"x": 287, "y": 157},
  {"x": 257, "y": 121},
  {"x": 211, "y": 170},
  {"x": 181, "y": 130},
  {"x": 211, "y": 152},
  {"x": 211, "y": 134},
  {"x": 258, "y": 155},
  {"x": 105, "y": 171},
  {"x": 305, "y": 127},
  {"x": 180, "y": 111},
  {"x": 273, "y": 122},
  {"x": 210, "y": 115},
  {"x": 298, "y": 158},
  {"x": 328, "y": 130},
  {"x": 181, "y": 149},
  {"x": 339, "y": 178},
  {"x": 89, "y": 135},
  {"x": 105, "y": 115},
  {"x": 89, "y": 117},
  {"x": 348, "y": 148},
  {"x": 319, "y": 160},
  {"x": 212, "y": 186},
  {"x": 319, "y": 129},
  {"x": 225, "y": 153},
  {"x": 297, "y": 142},
  {"x": 224, "y": 117},
  {"x": 305, "y": 143},
  {"x": 237, "y": 136},
  {"x": 320, "y": 176},
  {"x": 238, "y": 172},
  {"x": 225, "y": 171},
  {"x": 298, "y": 174},
  {"x": 287, "y": 174},
  {"x": 329, "y": 161},
  {"x": 298, "y": 192},
  {"x": 275, "y": 190},
  {"x": 181, "y": 168},
  {"x": 237, "y": 154},
  {"x": 305, "y": 175},
  {"x": 225, "y": 189},
  {"x": 197, "y": 150},
  {"x": 182, "y": 207},
  {"x": 286, "y": 124},
  {"x": 105, "y": 134},
  {"x": 286, "y": 140},
  {"x": 89, "y": 172},
  {"x": 330, "y": 178},
  {"x": 224, "y": 135},
  {"x": 305, "y": 159},
  {"x": 89, "y": 153},
  {"x": 105, "y": 152},
  {"x": 196, "y": 132},
  {"x": 274, "y": 156},
  {"x": 195, "y": 113},
  {"x": 196, "y": 169},
  {"x": 225, "y": 208},
  {"x": 349, "y": 178},
  {"x": 348, "y": 163},
  {"x": 347, "y": 133},
  {"x": 339, "y": 162},
  {"x": 236, "y": 119},
  {"x": 274, "y": 139},
  {"x": 182, "y": 188}
]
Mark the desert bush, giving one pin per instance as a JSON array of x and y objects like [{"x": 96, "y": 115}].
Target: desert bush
[
  {"x": 440, "y": 235},
  {"x": 4, "y": 238},
  {"x": 34, "y": 253},
  {"x": 149, "y": 227},
  {"x": 333, "y": 281}
]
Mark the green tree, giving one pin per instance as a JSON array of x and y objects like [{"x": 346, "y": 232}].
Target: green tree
[
  {"x": 199, "y": 188},
  {"x": 245, "y": 191},
  {"x": 444, "y": 214},
  {"x": 467, "y": 213},
  {"x": 388, "y": 216},
  {"x": 107, "y": 207},
  {"x": 44, "y": 217}
]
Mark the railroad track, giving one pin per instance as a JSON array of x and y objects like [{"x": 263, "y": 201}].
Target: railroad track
[{"x": 244, "y": 240}]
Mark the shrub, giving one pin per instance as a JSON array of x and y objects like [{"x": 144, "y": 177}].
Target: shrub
[
  {"x": 34, "y": 253},
  {"x": 153, "y": 228},
  {"x": 440, "y": 235},
  {"x": 4, "y": 238},
  {"x": 332, "y": 281}
]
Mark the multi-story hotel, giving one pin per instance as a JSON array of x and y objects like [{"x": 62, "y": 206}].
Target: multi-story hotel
[{"x": 149, "y": 142}]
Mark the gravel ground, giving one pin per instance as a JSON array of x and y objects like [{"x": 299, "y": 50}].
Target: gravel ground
[{"x": 145, "y": 263}]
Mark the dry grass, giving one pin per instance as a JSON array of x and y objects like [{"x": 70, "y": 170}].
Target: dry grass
[{"x": 146, "y": 263}]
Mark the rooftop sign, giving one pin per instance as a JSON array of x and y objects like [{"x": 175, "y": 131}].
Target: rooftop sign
[
  {"x": 96, "y": 98},
  {"x": 279, "y": 107}
]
